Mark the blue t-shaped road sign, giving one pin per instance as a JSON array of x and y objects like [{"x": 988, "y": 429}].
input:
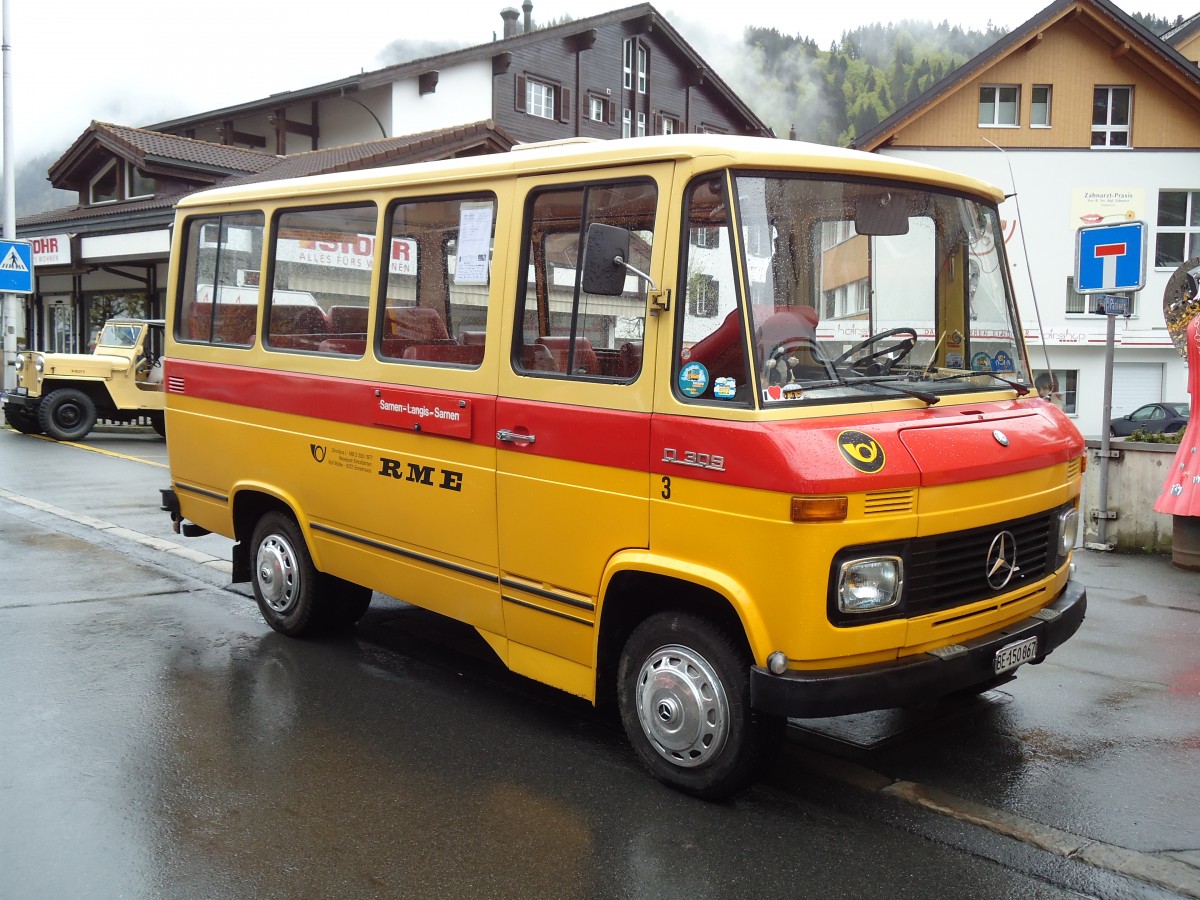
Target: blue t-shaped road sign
[
  {"x": 16, "y": 267},
  {"x": 1110, "y": 258}
]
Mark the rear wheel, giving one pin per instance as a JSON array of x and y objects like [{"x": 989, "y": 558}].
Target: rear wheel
[
  {"x": 286, "y": 583},
  {"x": 22, "y": 420},
  {"x": 684, "y": 694},
  {"x": 158, "y": 421},
  {"x": 67, "y": 414}
]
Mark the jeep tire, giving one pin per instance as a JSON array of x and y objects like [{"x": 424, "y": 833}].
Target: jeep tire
[
  {"x": 21, "y": 420},
  {"x": 67, "y": 414}
]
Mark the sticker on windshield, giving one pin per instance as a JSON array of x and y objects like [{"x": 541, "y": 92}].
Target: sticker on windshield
[
  {"x": 693, "y": 379},
  {"x": 862, "y": 451},
  {"x": 725, "y": 388},
  {"x": 1003, "y": 362},
  {"x": 981, "y": 362}
]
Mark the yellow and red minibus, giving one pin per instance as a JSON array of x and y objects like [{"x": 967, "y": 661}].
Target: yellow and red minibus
[{"x": 719, "y": 430}]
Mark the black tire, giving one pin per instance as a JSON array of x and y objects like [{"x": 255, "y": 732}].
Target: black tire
[
  {"x": 684, "y": 693},
  {"x": 158, "y": 421},
  {"x": 22, "y": 420},
  {"x": 286, "y": 584},
  {"x": 67, "y": 414},
  {"x": 343, "y": 602}
]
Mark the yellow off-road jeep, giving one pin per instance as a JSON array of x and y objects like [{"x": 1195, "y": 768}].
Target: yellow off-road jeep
[{"x": 63, "y": 394}]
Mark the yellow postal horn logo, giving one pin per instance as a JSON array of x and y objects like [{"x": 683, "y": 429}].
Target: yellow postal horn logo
[{"x": 861, "y": 450}]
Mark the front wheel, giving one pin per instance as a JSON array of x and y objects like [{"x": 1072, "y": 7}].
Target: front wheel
[
  {"x": 684, "y": 694},
  {"x": 67, "y": 414},
  {"x": 285, "y": 581},
  {"x": 22, "y": 420}
]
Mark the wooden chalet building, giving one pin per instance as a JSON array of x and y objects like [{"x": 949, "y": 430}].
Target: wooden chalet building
[
  {"x": 626, "y": 73},
  {"x": 1087, "y": 117}
]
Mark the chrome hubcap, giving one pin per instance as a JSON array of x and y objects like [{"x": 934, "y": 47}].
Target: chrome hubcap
[
  {"x": 682, "y": 706},
  {"x": 278, "y": 578}
]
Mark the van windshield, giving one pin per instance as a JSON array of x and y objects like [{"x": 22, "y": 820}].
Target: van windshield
[{"x": 851, "y": 290}]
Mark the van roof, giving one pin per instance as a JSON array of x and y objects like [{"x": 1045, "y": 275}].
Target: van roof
[{"x": 571, "y": 155}]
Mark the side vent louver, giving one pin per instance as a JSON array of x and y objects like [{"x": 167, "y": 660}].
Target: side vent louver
[{"x": 889, "y": 503}]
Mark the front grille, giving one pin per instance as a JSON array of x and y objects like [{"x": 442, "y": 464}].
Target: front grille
[
  {"x": 948, "y": 570},
  {"x": 951, "y": 569}
]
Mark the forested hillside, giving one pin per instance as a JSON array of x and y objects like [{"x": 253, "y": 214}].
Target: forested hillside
[{"x": 830, "y": 96}]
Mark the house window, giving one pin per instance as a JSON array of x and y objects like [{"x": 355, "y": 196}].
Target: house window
[
  {"x": 643, "y": 56},
  {"x": 1039, "y": 108},
  {"x": 597, "y": 106},
  {"x": 1178, "y": 237},
  {"x": 1079, "y": 303},
  {"x": 628, "y": 64},
  {"x": 998, "y": 105},
  {"x": 1075, "y": 302},
  {"x": 627, "y": 122},
  {"x": 1060, "y": 387},
  {"x": 667, "y": 124},
  {"x": 704, "y": 296},
  {"x": 103, "y": 187},
  {"x": 137, "y": 184},
  {"x": 1111, "y": 115},
  {"x": 641, "y": 124},
  {"x": 709, "y": 238},
  {"x": 539, "y": 99}
]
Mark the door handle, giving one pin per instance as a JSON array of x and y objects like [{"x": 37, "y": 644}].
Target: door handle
[{"x": 514, "y": 437}]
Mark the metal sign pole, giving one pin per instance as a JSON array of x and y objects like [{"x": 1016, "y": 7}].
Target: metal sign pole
[
  {"x": 9, "y": 377},
  {"x": 1102, "y": 515}
]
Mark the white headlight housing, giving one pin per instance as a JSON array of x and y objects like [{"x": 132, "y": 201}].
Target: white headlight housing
[
  {"x": 39, "y": 363},
  {"x": 1068, "y": 525},
  {"x": 869, "y": 585}
]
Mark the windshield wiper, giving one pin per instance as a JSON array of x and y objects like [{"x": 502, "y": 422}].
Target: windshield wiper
[
  {"x": 884, "y": 382},
  {"x": 1019, "y": 387}
]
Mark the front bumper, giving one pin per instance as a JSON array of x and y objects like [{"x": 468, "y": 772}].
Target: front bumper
[
  {"x": 914, "y": 679},
  {"x": 19, "y": 398}
]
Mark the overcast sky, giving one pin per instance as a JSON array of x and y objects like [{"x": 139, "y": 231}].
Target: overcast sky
[{"x": 136, "y": 62}]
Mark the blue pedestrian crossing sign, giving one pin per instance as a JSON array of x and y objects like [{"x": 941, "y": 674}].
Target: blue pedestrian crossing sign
[
  {"x": 1110, "y": 258},
  {"x": 16, "y": 267}
]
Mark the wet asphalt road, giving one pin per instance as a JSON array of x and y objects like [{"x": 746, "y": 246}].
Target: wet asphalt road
[{"x": 158, "y": 740}]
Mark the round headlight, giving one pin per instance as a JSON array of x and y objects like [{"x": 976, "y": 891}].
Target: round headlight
[
  {"x": 868, "y": 585},
  {"x": 39, "y": 363}
]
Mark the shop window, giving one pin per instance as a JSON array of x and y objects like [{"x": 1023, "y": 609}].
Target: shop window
[
  {"x": 1111, "y": 116},
  {"x": 1178, "y": 233},
  {"x": 998, "y": 105}
]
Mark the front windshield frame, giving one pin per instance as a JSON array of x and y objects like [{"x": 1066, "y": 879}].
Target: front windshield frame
[{"x": 819, "y": 262}]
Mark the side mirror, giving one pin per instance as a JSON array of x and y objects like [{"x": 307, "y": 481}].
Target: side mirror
[{"x": 604, "y": 260}]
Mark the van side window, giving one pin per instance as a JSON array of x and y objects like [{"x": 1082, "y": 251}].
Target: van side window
[
  {"x": 218, "y": 293},
  {"x": 322, "y": 263},
  {"x": 562, "y": 331},
  {"x": 435, "y": 302},
  {"x": 710, "y": 358}
]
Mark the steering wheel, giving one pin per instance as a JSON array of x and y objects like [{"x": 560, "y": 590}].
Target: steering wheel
[{"x": 880, "y": 362}]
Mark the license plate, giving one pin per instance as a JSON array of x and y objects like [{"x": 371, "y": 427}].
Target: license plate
[{"x": 1015, "y": 654}]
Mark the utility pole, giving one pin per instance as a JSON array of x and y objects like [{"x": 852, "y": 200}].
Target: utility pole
[{"x": 10, "y": 310}]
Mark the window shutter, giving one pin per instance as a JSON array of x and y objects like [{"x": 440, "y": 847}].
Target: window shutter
[
  {"x": 520, "y": 98},
  {"x": 611, "y": 119},
  {"x": 564, "y": 105}
]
